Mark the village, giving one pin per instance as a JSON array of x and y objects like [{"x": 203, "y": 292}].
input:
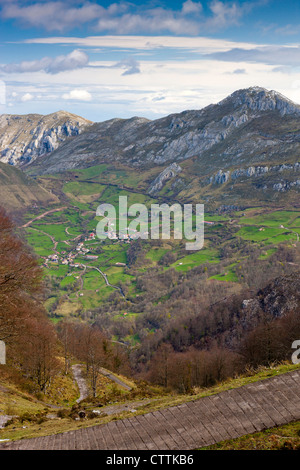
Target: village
[{"x": 81, "y": 250}]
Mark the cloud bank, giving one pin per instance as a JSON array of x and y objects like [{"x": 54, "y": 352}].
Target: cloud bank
[
  {"x": 75, "y": 60},
  {"x": 125, "y": 17}
]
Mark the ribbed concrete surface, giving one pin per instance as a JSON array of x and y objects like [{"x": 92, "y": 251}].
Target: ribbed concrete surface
[{"x": 229, "y": 414}]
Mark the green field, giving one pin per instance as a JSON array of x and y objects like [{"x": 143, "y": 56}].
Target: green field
[
  {"x": 197, "y": 258},
  {"x": 266, "y": 234},
  {"x": 274, "y": 219}
]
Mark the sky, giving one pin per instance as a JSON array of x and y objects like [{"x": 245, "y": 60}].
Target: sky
[{"x": 104, "y": 59}]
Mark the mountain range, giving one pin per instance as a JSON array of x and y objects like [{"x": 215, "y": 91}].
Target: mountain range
[{"x": 243, "y": 149}]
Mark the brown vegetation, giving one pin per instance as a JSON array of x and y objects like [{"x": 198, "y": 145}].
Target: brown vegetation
[{"x": 30, "y": 337}]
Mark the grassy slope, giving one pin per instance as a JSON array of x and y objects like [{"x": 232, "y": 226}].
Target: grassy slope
[
  {"x": 285, "y": 437},
  {"x": 19, "y": 192}
]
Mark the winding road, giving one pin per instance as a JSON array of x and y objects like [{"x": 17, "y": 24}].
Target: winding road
[
  {"x": 105, "y": 278},
  {"x": 55, "y": 243}
]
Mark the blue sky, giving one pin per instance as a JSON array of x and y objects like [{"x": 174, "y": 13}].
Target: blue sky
[{"x": 104, "y": 59}]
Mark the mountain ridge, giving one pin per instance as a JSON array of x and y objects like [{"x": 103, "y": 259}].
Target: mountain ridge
[
  {"x": 138, "y": 142},
  {"x": 246, "y": 145}
]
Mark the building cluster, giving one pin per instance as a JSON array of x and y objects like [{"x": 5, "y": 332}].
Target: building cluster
[
  {"x": 69, "y": 258},
  {"x": 81, "y": 249}
]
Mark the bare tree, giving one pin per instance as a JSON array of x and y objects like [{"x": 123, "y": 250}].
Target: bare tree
[{"x": 20, "y": 280}]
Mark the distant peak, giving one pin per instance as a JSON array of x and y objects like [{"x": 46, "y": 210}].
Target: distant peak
[
  {"x": 66, "y": 114},
  {"x": 260, "y": 99}
]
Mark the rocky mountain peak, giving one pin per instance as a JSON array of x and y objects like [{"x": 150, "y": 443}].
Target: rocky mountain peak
[{"x": 259, "y": 99}]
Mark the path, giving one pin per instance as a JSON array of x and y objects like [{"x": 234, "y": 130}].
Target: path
[
  {"x": 293, "y": 231},
  {"x": 227, "y": 415},
  {"x": 55, "y": 243},
  {"x": 43, "y": 215},
  {"x": 105, "y": 279},
  {"x": 82, "y": 385},
  {"x": 83, "y": 389},
  {"x": 114, "y": 378}
]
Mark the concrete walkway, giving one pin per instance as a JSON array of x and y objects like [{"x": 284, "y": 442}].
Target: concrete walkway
[{"x": 199, "y": 423}]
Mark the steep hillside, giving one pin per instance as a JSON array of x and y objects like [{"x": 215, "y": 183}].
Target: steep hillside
[
  {"x": 24, "y": 138},
  {"x": 19, "y": 192}
]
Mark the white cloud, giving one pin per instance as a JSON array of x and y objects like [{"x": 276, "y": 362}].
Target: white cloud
[
  {"x": 53, "y": 15},
  {"x": 127, "y": 18},
  {"x": 287, "y": 55},
  {"x": 129, "y": 65},
  {"x": 77, "y": 95},
  {"x": 27, "y": 97},
  {"x": 198, "y": 44},
  {"x": 224, "y": 14},
  {"x": 75, "y": 60},
  {"x": 190, "y": 7}
]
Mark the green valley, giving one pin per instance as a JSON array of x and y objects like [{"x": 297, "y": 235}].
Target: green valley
[{"x": 86, "y": 276}]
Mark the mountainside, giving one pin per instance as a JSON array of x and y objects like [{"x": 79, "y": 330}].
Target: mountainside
[
  {"x": 24, "y": 138},
  {"x": 19, "y": 191},
  {"x": 243, "y": 150},
  {"x": 246, "y": 146},
  {"x": 249, "y": 126}
]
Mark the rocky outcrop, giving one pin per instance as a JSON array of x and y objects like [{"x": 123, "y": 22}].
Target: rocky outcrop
[
  {"x": 254, "y": 171},
  {"x": 260, "y": 99},
  {"x": 286, "y": 185},
  {"x": 281, "y": 296},
  {"x": 221, "y": 177},
  {"x": 25, "y": 138},
  {"x": 170, "y": 172}
]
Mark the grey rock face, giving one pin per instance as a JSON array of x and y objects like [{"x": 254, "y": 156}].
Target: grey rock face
[
  {"x": 286, "y": 185},
  {"x": 170, "y": 172},
  {"x": 25, "y": 138},
  {"x": 260, "y": 99},
  {"x": 223, "y": 177}
]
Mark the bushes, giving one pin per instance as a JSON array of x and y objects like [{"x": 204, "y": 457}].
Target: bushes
[
  {"x": 266, "y": 343},
  {"x": 184, "y": 371},
  {"x": 271, "y": 341}
]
